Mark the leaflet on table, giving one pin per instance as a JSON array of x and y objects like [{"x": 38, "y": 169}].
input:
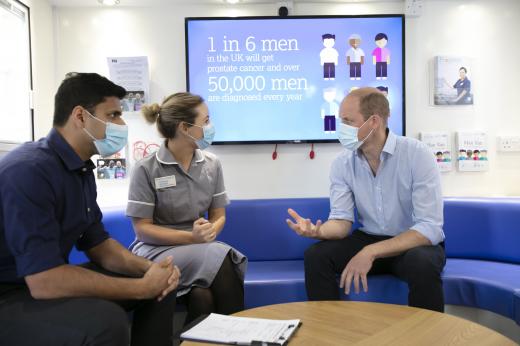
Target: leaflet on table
[{"x": 242, "y": 330}]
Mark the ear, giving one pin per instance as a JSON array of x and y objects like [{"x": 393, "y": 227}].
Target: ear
[
  {"x": 77, "y": 117},
  {"x": 377, "y": 120},
  {"x": 183, "y": 126}
]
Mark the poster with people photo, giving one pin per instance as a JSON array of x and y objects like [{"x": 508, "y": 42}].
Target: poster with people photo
[
  {"x": 132, "y": 73},
  {"x": 453, "y": 81},
  {"x": 133, "y": 101},
  {"x": 111, "y": 168}
]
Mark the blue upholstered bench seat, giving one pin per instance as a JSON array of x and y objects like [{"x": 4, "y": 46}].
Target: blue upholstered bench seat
[
  {"x": 486, "y": 285},
  {"x": 482, "y": 246},
  {"x": 483, "y": 284}
]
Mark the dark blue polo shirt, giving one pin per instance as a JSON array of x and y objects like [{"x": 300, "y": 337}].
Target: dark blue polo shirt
[{"x": 47, "y": 205}]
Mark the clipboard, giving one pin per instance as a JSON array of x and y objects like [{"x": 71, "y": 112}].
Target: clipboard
[{"x": 233, "y": 330}]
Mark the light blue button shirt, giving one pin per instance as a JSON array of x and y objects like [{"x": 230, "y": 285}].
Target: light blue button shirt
[{"x": 405, "y": 193}]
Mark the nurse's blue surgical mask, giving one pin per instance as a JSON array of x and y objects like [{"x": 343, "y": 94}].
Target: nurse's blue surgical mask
[
  {"x": 348, "y": 136},
  {"x": 207, "y": 138},
  {"x": 115, "y": 139}
]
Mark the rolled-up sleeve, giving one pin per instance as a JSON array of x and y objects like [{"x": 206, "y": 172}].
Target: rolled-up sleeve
[
  {"x": 427, "y": 196},
  {"x": 141, "y": 195},
  {"x": 220, "y": 198},
  {"x": 95, "y": 234},
  {"x": 341, "y": 198},
  {"x": 32, "y": 231}
]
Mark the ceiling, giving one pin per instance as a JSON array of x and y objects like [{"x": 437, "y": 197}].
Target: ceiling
[{"x": 147, "y": 3}]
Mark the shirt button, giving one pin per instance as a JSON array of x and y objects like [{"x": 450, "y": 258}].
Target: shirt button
[
  {"x": 84, "y": 169},
  {"x": 88, "y": 210}
]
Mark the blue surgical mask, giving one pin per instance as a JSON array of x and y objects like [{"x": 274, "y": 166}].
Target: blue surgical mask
[
  {"x": 115, "y": 139},
  {"x": 348, "y": 136},
  {"x": 206, "y": 140}
]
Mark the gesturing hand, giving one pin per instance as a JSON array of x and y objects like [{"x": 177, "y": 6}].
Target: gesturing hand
[
  {"x": 303, "y": 227},
  {"x": 203, "y": 231}
]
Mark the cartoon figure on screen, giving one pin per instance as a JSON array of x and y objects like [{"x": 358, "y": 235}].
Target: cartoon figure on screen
[
  {"x": 439, "y": 156},
  {"x": 329, "y": 57},
  {"x": 384, "y": 90},
  {"x": 329, "y": 110},
  {"x": 355, "y": 57},
  {"x": 381, "y": 56},
  {"x": 483, "y": 155}
]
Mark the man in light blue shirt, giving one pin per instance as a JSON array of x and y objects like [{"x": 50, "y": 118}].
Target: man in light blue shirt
[{"x": 394, "y": 184}]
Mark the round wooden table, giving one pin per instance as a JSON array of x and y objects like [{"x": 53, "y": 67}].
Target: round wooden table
[{"x": 360, "y": 323}]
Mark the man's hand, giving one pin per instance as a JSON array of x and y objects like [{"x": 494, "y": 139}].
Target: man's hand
[
  {"x": 303, "y": 227},
  {"x": 203, "y": 231},
  {"x": 173, "y": 282},
  {"x": 160, "y": 279},
  {"x": 356, "y": 270}
]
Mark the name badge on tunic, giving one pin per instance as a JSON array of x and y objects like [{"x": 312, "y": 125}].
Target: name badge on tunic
[{"x": 164, "y": 182}]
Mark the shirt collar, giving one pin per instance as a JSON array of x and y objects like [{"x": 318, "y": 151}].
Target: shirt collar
[
  {"x": 69, "y": 157},
  {"x": 390, "y": 144},
  {"x": 164, "y": 156}
]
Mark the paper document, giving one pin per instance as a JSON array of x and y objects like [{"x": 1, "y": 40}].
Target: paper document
[{"x": 242, "y": 330}]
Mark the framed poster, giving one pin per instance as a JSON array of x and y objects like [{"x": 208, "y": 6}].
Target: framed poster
[{"x": 453, "y": 78}]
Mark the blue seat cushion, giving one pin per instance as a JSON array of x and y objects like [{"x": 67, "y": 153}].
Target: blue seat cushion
[
  {"x": 258, "y": 229},
  {"x": 483, "y": 284},
  {"x": 117, "y": 225},
  {"x": 482, "y": 228},
  {"x": 517, "y": 306},
  {"x": 486, "y": 285},
  {"x": 274, "y": 282}
]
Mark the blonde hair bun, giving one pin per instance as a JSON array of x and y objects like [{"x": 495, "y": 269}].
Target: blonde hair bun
[{"x": 151, "y": 112}]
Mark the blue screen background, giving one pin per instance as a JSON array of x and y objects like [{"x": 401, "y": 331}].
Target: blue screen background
[{"x": 287, "y": 120}]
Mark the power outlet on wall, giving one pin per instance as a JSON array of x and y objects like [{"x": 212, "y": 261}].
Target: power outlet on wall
[
  {"x": 413, "y": 8},
  {"x": 508, "y": 143}
]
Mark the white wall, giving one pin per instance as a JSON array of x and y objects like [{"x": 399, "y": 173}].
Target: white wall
[
  {"x": 481, "y": 29},
  {"x": 43, "y": 60}
]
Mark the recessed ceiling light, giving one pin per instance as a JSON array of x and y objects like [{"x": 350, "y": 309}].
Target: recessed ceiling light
[
  {"x": 109, "y": 2},
  {"x": 232, "y": 1}
]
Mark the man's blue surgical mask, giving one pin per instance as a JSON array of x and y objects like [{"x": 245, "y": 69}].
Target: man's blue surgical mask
[
  {"x": 207, "y": 138},
  {"x": 348, "y": 136},
  {"x": 116, "y": 137}
]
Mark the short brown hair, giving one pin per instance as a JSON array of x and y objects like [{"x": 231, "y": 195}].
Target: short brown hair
[
  {"x": 174, "y": 109},
  {"x": 372, "y": 101}
]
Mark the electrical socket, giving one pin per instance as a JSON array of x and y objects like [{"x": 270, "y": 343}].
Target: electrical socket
[{"x": 508, "y": 143}]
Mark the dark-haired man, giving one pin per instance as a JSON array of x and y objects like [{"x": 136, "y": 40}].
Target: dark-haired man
[
  {"x": 47, "y": 205},
  {"x": 394, "y": 184}
]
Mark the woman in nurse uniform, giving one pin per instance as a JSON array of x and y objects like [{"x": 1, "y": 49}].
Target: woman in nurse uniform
[{"x": 171, "y": 192}]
